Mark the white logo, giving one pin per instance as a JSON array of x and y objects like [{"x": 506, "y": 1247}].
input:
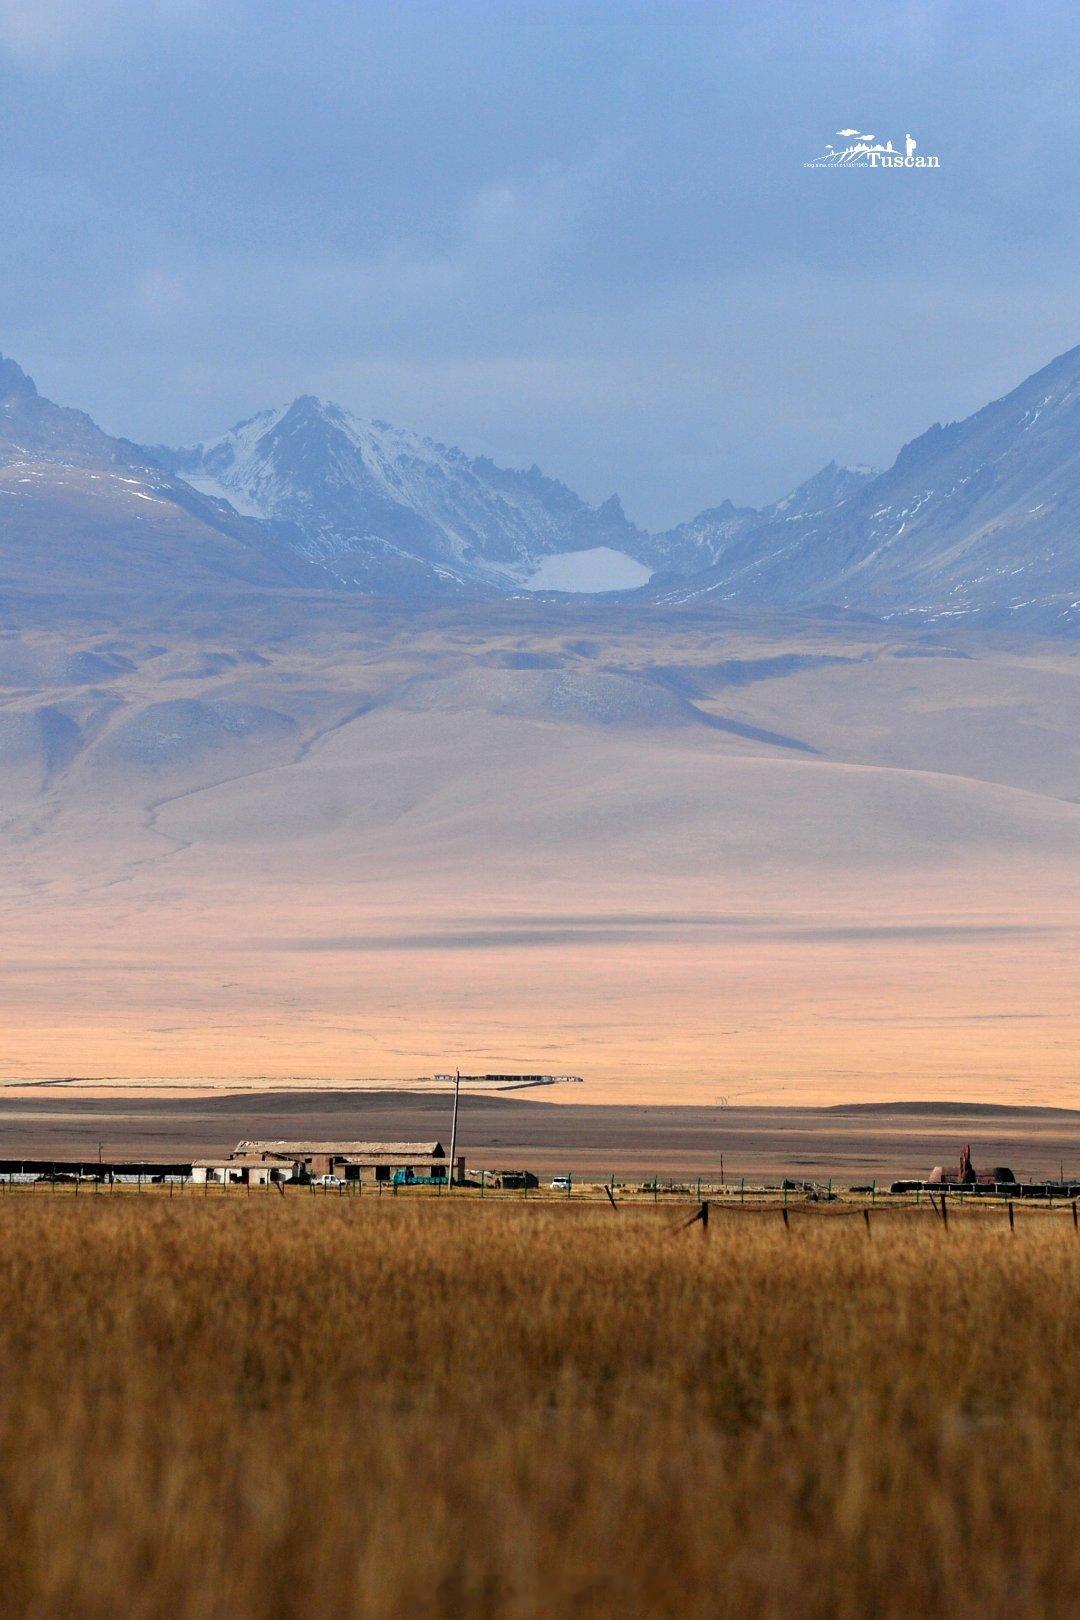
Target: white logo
[{"x": 867, "y": 152}]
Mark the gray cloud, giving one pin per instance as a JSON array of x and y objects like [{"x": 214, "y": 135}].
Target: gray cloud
[
  {"x": 566, "y": 933},
  {"x": 581, "y": 237}
]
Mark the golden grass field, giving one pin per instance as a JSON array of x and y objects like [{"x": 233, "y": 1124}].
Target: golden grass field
[{"x": 259, "y": 1405}]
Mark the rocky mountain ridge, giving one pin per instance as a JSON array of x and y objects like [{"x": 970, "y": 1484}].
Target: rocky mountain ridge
[
  {"x": 376, "y": 505},
  {"x": 976, "y": 521}
]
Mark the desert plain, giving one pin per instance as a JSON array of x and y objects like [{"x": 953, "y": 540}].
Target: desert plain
[{"x": 694, "y": 859}]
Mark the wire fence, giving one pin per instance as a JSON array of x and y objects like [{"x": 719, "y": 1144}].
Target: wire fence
[{"x": 697, "y": 1202}]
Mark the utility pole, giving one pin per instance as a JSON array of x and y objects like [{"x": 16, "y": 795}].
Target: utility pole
[{"x": 453, "y": 1128}]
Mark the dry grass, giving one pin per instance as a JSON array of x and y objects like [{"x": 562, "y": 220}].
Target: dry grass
[{"x": 286, "y": 1406}]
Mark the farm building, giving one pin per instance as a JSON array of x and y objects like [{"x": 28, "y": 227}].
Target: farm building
[
  {"x": 1001, "y": 1179},
  {"x": 109, "y": 1171},
  {"x": 967, "y": 1175},
  {"x": 247, "y": 1170},
  {"x": 352, "y": 1161}
]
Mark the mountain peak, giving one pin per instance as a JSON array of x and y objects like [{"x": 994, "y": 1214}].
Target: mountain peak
[
  {"x": 14, "y": 383},
  {"x": 612, "y": 509},
  {"x": 308, "y": 404},
  {"x": 827, "y": 488},
  {"x": 973, "y": 517},
  {"x": 973, "y": 520},
  {"x": 385, "y": 507}
]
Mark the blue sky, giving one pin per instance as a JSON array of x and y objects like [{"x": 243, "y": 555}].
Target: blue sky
[{"x": 580, "y": 235}]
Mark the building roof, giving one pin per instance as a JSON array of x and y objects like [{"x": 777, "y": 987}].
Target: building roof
[
  {"x": 241, "y": 1161},
  {"x": 393, "y": 1160},
  {"x": 343, "y": 1150}
]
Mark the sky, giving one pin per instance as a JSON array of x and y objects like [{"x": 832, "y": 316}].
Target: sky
[{"x": 578, "y": 235}]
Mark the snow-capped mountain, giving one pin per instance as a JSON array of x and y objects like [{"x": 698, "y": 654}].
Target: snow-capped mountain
[
  {"x": 381, "y": 508},
  {"x": 978, "y": 520}
]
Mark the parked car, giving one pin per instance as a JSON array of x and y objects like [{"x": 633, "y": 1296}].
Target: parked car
[
  {"x": 561, "y": 1183},
  {"x": 328, "y": 1181}
]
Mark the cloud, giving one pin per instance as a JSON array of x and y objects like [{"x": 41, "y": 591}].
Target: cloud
[
  {"x": 572, "y": 932},
  {"x": 42, "y": 33},
  {"x": 536, "y": 239},
  {"x": 37, "y": 30}
]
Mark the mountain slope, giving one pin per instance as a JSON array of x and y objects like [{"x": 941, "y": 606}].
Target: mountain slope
[
  {"x": 977, "y": 520},
  {"x": 382, "y": 508},
  {"x": 82, "y": 513},
  {"x": 706, "y": 539}
]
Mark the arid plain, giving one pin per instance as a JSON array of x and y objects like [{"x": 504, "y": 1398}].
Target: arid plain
[{"x": 805, "y": 862}]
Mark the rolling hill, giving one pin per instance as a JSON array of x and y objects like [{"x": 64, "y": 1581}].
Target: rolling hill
[{"x": 684, "y": 853}]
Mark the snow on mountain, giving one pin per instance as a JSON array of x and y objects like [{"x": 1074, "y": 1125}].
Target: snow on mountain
[
  {"x": 381, "y": 507},
  {"x": 588, "y": 572},
  {"x": 977, "y": 521}
]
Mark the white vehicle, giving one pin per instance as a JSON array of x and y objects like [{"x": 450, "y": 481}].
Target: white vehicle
[
  {"x": 328, "y": 1181},
  {"x": 561, "y": 1183}
]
